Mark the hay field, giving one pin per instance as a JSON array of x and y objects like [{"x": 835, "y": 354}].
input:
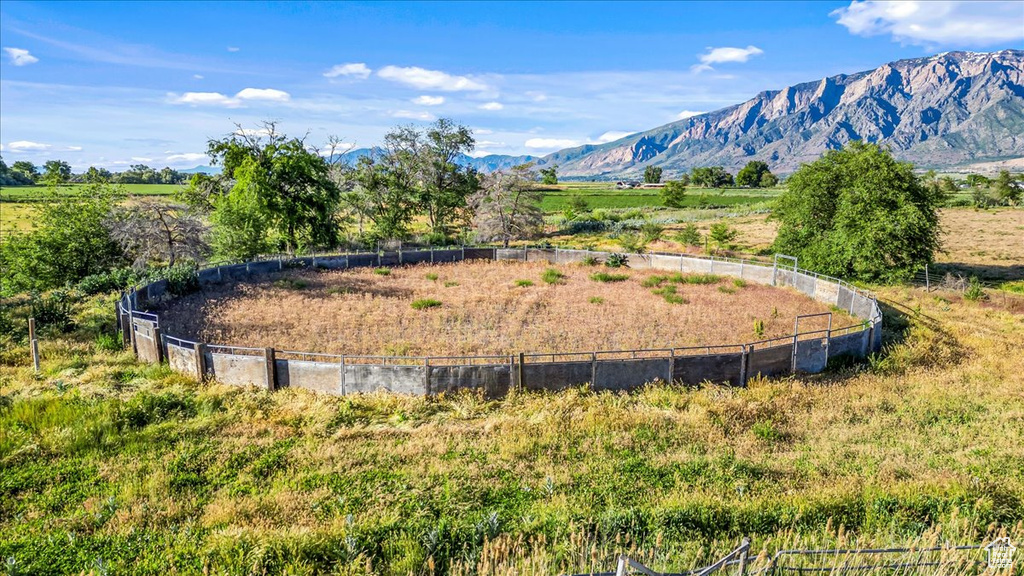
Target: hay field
[{"x": 485, "y": 309}]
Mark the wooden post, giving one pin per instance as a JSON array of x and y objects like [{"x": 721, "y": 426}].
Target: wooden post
[
  {"x": 927, "y": 282},
  {"x": 744, "y": 552},
  {"x": 744, "y": 360},
  {"x": 200, "y": 349},
  {"x": 158, "y": 342},
  {"x": 271, "y": 369},
  {"x": 426, "y": 373},
  {"x": 33, "y": 343},
  {"x": 593, "y": 368},
  {"x": 796, "y": 338},
  {"x": 131, "y": 331},
  {"x": 343, "y": 390}
]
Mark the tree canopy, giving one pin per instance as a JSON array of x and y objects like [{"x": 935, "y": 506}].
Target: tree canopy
[
  {"x": 652, "y": 174},
  {"x": 756, "y": 175},
  {"x": 711, "y": 177},
  {"x": 858, "y": 213}
]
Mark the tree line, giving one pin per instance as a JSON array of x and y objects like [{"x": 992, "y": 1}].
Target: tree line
[{"x": 57, "y": 172}]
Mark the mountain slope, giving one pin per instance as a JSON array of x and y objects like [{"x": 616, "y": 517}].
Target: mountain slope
[{"x": 940, "y": 111}]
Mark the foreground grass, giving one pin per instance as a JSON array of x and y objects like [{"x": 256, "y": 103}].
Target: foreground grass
[{"x": 108, "y": 465}]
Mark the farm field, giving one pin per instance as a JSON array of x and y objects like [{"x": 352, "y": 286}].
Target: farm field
[
  {"x": 484, "y": 308},
  {"x": 29, "y": 193},
  {"x": 603, "y": 195}
]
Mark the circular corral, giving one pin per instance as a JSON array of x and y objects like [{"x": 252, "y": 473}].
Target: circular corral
[{"x": 488, "y": 307}]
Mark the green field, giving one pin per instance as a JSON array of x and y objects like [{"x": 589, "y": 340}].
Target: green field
[
  {"x": 603, "y": 195},
  {"x": 30, "y": 193}
]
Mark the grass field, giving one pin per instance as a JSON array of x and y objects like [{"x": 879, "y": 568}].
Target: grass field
[
  {"x": 603, "y": 195},
  {"x": 485, "y": 308},
  {"x": 30, "y": 193}
]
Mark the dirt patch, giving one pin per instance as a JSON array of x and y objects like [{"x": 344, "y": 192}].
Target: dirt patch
[{"x": 486, "y": 308}]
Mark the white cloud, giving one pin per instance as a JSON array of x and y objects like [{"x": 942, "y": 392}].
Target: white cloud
[
  {"x": 725, "y": 54},
  {"x": 536, "y": 96},
  {"x": 491, "y": 106},
  {"x": 410, "y": 115},
  {"x": 27, "y": 146},
  {"x": 233, "y": 48},
  {"x": 188, "y": 156},
  {"x": 218, "y": 99},
  {"x": 74, "y": 148},
  {"x": 141, "y": 159},
  {"x": 489, "y": 144},
  {"x": 611, "y": 136},
  {"x": 20, "y": 56},
  {"x": 197, "y": 76},
  {"x": 956, "y": 23},
  {"x": 482, "y": 131},
  {"x": 550, "y": 143},
  {"x": 268, "y": 94},
  {"x": 352, "y": 69},
  {"x": 688, "y": 114},
  {"x": 428, "y": 100},
  {"x": 431, "y": 79}
]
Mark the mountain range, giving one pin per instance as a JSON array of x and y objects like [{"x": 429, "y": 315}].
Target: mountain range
[{"x": 942, "y": 111}]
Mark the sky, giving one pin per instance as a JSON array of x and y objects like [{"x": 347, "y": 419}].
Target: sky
[{"x": 113, "y": 84}]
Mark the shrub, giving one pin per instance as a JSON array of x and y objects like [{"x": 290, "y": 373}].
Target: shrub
[
  {"x": 722, "y": 235},
  {"x": 689, "y": 235},
  {"x": 110, "y": 281},
  {"x": 759, "y": 328},
  {"x": 424, "y": 303},
  {"x": 606, "y": 277},
  {"x": 182, "y": 278},
  {"x": 109, "y": 342},
  {"x": 651, "y": 231},
  {"x": 616, "y": 260},
  {"x": 431, "y": 276},
  {"x": 382, "y": 271},
  {"x": 524, "y": 283},
  {"x": 739, "y": 283},
  {"x": 596, "y": 300},
  {"x": 673, "y": 194},
  {"x": 632, "y": 242},
  {"x": 54, "y": 310},
  {"x": 552, "y": 276},
  {"x": 589, "y": 261},
  {"x": 700, "y": 279},
  {"x": 975, "y": 291}
]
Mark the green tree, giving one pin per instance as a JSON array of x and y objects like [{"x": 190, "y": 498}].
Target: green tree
[
  {"x": 56, "y": 172},
  {"x": 974, "y": 180},
  {"x": 446, "y": 185},
  {"x": 858, "y": 213},
  {"x": 71, "y": 240},
  {"x": 383, "y": 187},
  {"x": 241, "y": 229},
  {"x": 752, "y": 174},
  {"x": 711, "y": 177},
  {"x": 549, "y": 176},
  {"x": 673, "y": 194},
  {"x": 652, "y": 174},
  {"x": 769, "y": 180},
  {"x": 1007, "y": 189},
  {"x": 95, "y": 175},
  {"x": 722, "y": 235},
  {"x": 507, "y": 206},
  {"x": 26, "y": 169},
  {"x": 290, "y": 185}
]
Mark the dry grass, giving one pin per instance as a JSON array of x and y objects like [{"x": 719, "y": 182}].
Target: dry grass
[
  {"x": 985, "y": 243},
  {"x": 487, "y": 312}
]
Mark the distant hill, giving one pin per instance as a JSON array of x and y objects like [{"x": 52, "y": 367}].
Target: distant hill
[
  {"x": 489, "y": 163},
  {"x": 201, "y": 169},
  {"x": 943, "y": 111}
]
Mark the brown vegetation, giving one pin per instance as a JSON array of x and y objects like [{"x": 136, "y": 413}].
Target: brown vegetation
[{"x": 485, "y": 309}]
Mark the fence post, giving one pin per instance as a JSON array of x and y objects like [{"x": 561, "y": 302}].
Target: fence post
[
  {"x": 593, "y": 369},
  {"x": 796, "y": 339},
  {"x": 343, "y": 390},
  {"x": 426, "y": 373},
  {"x": 744, "y": 360},
  {"x": 927, "y": 281},
  {"x": 200, "y": 349},
  {"x": 131, "y": 333},
  {"x": 744, "y": 552},
  {"x": 33, "y": 343},
  {"x": 522, "y": 358},
  {"x": 158, "y": 342},
  {"x": 271, "y": 369}
]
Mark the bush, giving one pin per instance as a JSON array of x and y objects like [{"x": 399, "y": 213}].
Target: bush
[
  {"x": 589, "y": 261},
  {"x": 182, "y": 278},
  {"x": 109, "y": 343},
  {"x": 974, "y": 291},
  {"x": 382, "y": 271},
  {"x": 616, "y": 260},
  {"x": 673, "y": 194},
  {"x": 110, "y": 281},
  {"x": 632, "y": 242},
  {"x": 651, "y": 231},
  {"x": 552, "y": 276},
  {"x": 431, "y": 276},
  {"x": 424, "y": 303},
  {"x": 54, "y": 310},
  {"x": 606, "y": 277},
  {"x": 689, "y": 235},
  {"x": 524, "y": 283}
]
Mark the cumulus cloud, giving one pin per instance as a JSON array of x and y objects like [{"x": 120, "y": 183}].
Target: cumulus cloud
[
  {"x": 233, "y": 48},
  {"x": 428, "y": 100},
  {"x": 263, "y": 94},
  {"x": 925, "y": 23},
  {"x": 411, "y": 115},
  {"x": 493, "y": 106},
  {"x": 20, "y": 56},
  {"x": 688, "y": 114},
  {"x": 424, "y": 79},
  {"x": 188, "y": 156},
  {"x": 26, "y": 146},
  {"x": 611, "y": 136},
  {"x": 218, "y": 99},
  {"x": 141, "y": 159},
  {"x": 725, "y": 54},
  {"x": 550, "y": 143},
  {"x": 352, "y": 69}
]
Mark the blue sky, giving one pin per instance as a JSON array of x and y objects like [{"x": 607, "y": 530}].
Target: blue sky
[{"x": 113, "y": 84}]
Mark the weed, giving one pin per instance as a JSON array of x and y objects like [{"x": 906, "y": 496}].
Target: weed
[
  {"x": 606, "y": 277},
  {"x": 382, "y": 271},
  {"x": 589, "y": 261},
  {"x": 975, "y": 291},
  {"x": 726, "y": 289},
  {"x": 109, "y": 342},
  {"x": 291, "y": 283},
  {"x": 616, "y": 260},
  {"x": 759, "y": 329},
  {"x": 739, "y": 282},
  {"x": 552, "y": 276},
  {"x": 424, "y": 303},
  {"x": 450, "y": 284},
  {"x": 524, "y": 283},
  {"x": 338, "y": 290},
  {"x": 431, "y": 276},
  {"x": 596, "y": 300},
  {"x": 701, "y": 279}
]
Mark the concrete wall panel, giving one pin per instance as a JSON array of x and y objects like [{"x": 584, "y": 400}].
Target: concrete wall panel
[
  {"x": 811, "y": 355},
  {"x": 727, "y": 268},
  {"x": 715, "y": 368},
  {"x": 322, "y": 377},
  {"x": 759, "y": 274},
  {"x": 845, "y": 298},
  {"x": 826, "y": 292},
  {"x": 638, "y": 261},
  {"x": 510, "y": 254},
  {"x": 556, "y": 375},
  {"x": 146, "y": 343},
  {"x": 493, "y": 379},
  {"x": 238, "y": 370},
  {"x": 770, "y": 361},
  {"x": 667, "y": 263},
  {"x": 535, "y": 255},
  {"x": 630, "y": 374},
  {"x": 805, "y": 284},
  {"x": 848, "y": 344},
  {"x": 480, "y": 254},
  {"x": 397, "y": 379},
  {"x": 696, "y": 265},
  {"x": 182, "y": 360}
]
